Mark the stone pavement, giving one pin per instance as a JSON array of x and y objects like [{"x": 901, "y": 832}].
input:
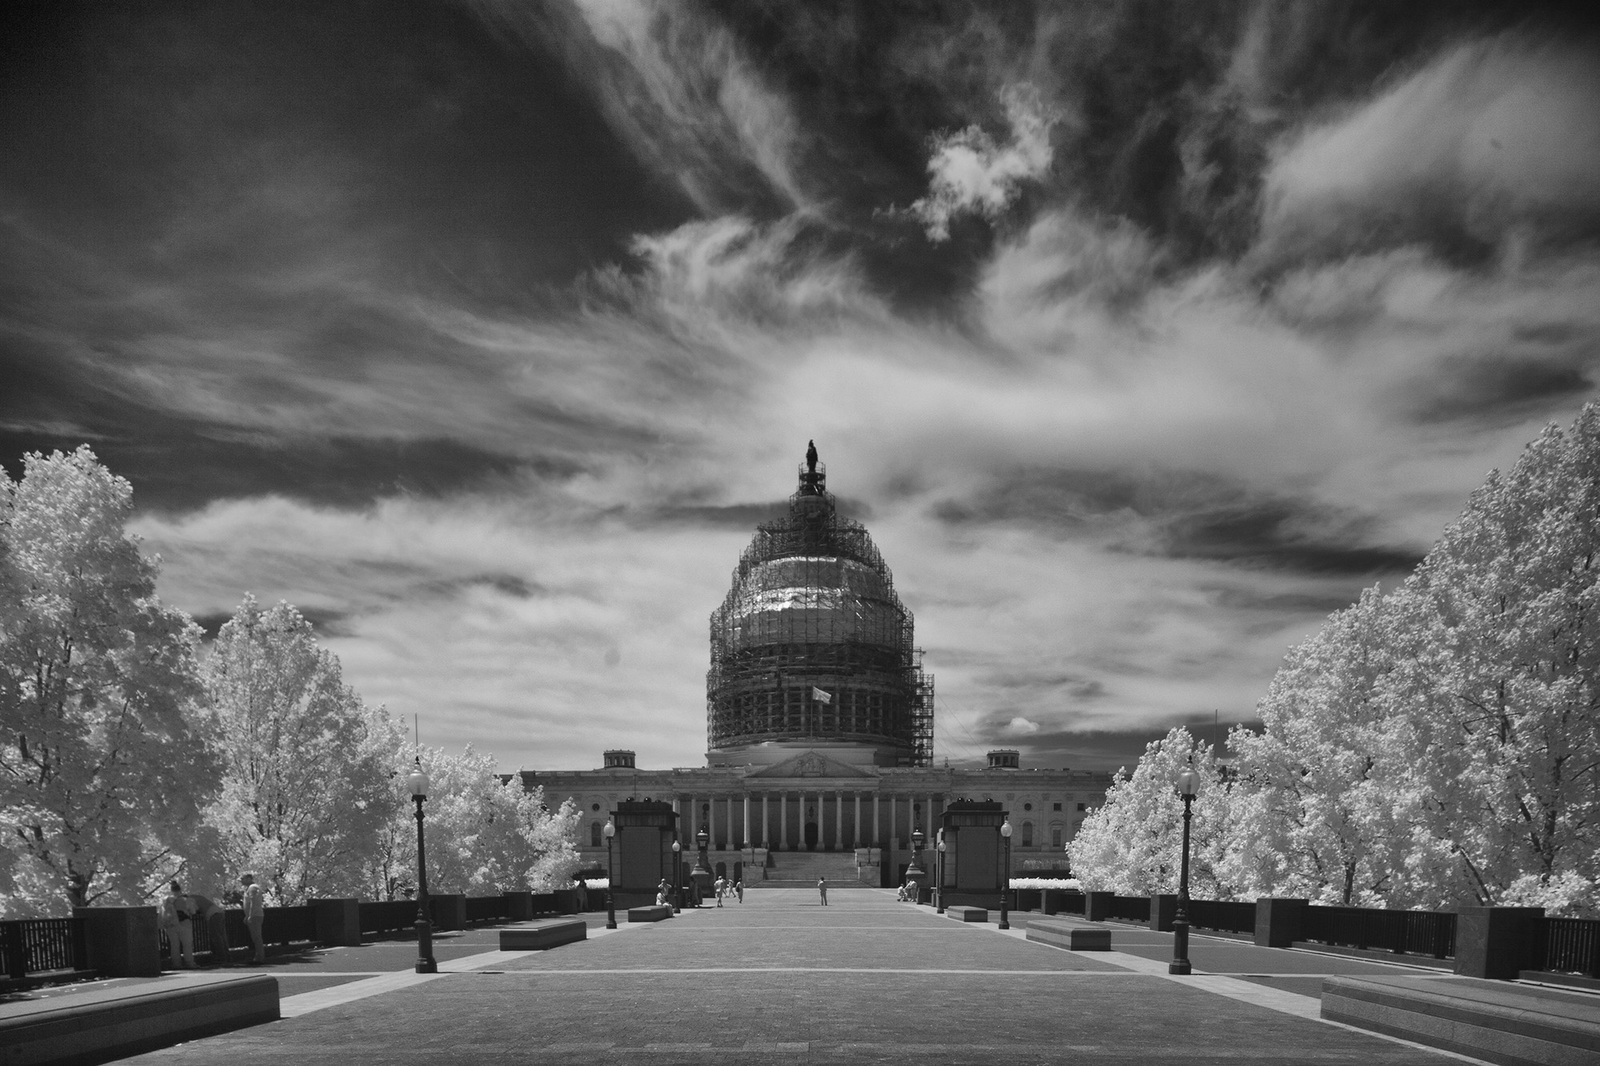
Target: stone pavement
[{"x": 783, "y": 980}]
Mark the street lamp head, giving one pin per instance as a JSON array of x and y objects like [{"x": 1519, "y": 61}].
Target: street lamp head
[
  {"x": 418, "y": 781},
  {"x": 1005, "y": 828},
  {"x": 941, "y": 843},
  {"x": 610, "y": 829},
  {"x": 676, "y": 847},
  {"x": 702, "y": 837},
  {"x": 1187, "y": 783},
  {"x": 917, "y": 839}
]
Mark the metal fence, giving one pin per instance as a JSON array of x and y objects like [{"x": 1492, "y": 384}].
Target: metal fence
[
  {"x": 1571, "y": 945},
  {"x": 33, "y": 946},
  {"x": 1226, "y": 916},
  {"x": 1402, "y": 932},
  {"x": 392, "y": 916},
  {"x": 1131, "y": 908},
  {"x": 487, "y": 909},
  {"x": 283, "y": 926}
]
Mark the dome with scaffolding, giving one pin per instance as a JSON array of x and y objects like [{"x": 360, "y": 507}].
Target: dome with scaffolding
[{"x": 812, "y": 648}]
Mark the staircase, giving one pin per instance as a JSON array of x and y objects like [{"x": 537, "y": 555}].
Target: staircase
[{"x": 800, "y": 869}]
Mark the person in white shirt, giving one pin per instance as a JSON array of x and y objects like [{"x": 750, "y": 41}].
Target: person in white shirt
[
  {"x": 255, "y": 914},
  {"x": 176, "y": 922}
]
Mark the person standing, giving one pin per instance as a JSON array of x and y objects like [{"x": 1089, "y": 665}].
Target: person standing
[
  {"x": 176, "y": 914},
  {"x": 255, "y": 915},
  {"x": 738, "y": 886},
  {"x": 822, "y": 888}
]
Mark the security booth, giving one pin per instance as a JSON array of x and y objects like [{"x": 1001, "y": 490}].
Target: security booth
[
  {"x": 971, "y": 872},
  {"x": 643, "y": 851}
]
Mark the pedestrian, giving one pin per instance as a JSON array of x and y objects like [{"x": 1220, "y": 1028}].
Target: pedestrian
[
  {"x": 582, "y": 889},
  {"x": 662, "y": 893},
  {"x": 176, "y": 914},
  {"x": 738, "y": 886},
  {"x": 822, "y": 887},
  {"x": 255, "y": 914},
  {"x": 721, "y": 887},
  {"x": 207, "y": 910}
]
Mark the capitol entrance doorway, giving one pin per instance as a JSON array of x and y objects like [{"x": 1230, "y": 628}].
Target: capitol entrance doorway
[{"x": 811, "y": 836}]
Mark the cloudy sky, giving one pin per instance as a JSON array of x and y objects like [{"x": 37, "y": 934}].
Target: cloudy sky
[{"x": 1140, "y": 336}]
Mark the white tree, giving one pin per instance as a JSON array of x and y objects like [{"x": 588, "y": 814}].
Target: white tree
[
  {"x": 1132, "y": 843},
  {"x": 104, "y": 758},
  {"x": 484, "y": 836},
  {"x": 308, "y": 782}
]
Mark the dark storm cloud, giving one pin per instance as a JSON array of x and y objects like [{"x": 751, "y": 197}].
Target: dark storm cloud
[{"x": 1180, "y": 516}]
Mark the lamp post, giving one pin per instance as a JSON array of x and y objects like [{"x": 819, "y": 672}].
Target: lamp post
[
  {"x": 938, "y": 889},
  {"x": 1005, "y": 878},
  {"x": 1187, "y": 783},
  {"x": 677, "y": 865},
  {"x": 701, "y": 874},
  {"x": 611, "y": 876},
  {"x": 915, "y": 872},
  {"x": 419, "y": 792}
]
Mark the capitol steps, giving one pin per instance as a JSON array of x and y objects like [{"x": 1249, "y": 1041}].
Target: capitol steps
[{"x": 801, "y": 869}]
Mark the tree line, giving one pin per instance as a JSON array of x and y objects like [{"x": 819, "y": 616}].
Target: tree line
[
  {"x": 132, "y": 753},
  {"x": 1430, "y": 746}
]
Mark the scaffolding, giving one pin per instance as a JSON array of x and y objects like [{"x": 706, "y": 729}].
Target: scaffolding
[{"x": 812, "y": 644}]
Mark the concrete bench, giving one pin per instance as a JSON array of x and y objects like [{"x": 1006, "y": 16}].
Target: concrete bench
[
  {"x": 1073, "y": 938},
  {"x": 1493, "y": 1020},
  {"x": 967, "y": 914},
  {"x": 537, "y": 936},
  {"x": 126, "y": 1019},
  {"x": 652, "y": 913}
]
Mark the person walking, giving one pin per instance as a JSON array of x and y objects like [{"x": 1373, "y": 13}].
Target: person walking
[
  {"x": 255, "y": 915},
  {"x": 721, "y": 886},
  {"x": 738, "y": 886},
  {"x": 176, "y": 922},
  {"x": 822, "y": 888}
]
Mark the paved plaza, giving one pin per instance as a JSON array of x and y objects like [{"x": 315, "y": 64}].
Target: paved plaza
[{"x": 780, "y": 979}]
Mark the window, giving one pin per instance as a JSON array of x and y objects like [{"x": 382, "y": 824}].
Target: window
[
  {"x": 1055, "y": 836},
  {"x": 595, "y": 807},
  {"x": 1027, "y": 806},
  {"x": 1083, "y": 806},
  {"x": 595, "y": 839},
  {"x": 1057, "y": 806},
  {"x": 1027, "y": 834}
]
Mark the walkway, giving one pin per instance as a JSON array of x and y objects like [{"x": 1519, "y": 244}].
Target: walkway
[{"x": 780, "y": 979}]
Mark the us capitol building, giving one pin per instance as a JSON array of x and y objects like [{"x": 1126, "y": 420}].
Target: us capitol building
[{"x": 819, "y": 724}]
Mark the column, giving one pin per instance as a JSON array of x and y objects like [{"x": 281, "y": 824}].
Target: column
[
  {"x": 783, "y": 820},
  {"x": 766, "y": 832},
  {"x": 894, "y": 819},
  {"x": 838, "y": 819},
  {"x": 855, "y": 826},
  {"x": 877, "y": 830},
  {"x": 746, "y": 837},
  {"x": 693, "y": 825},
  {"x": 730, "y": 824}
]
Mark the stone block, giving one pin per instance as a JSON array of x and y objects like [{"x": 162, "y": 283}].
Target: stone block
[
  {"x": 1496, "y": 942},
  {"x": 338, "y": 922},
  {"x": 546, "y": 933},
  {"x": 1163, "y": 909},
  {"x": 652, "y": 913},
  {"x": 519, "y": 906},
  {"x": 449, "y": 911},
  {"x": 967, "y": 914},
  {"x": 1097, "y": 905},
  {"x": 102, "y": 1024},
  {"x": 122, "y": 941},
  {"x": 1070, "y": 937},
  {"x": 1280, "y": 921}
]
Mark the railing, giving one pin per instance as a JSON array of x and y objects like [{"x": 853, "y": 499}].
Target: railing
[
  {"x": 279, "y": 925},
  {"x": 391, "y": 916},
  {"x": 486, "y": 909},
  {"x": 1225, "y": 916},
  {"x": 1572, "y": 945},
  {"x": 41, "y": 945},
  {"x": 1131, "y": 908},
  {"x": 1402, "y": 932}
]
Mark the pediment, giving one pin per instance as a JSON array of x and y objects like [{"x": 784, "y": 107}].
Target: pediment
[{"x": 810, "y": 764}]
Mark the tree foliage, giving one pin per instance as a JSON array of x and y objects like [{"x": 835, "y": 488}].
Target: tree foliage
[
  {"x": 1429, "y": 747},
  {"x": 308, "y": 779},
  {"x": 105, "y": 758}
]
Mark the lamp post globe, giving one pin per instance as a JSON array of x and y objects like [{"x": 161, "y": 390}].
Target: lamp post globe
[
  {"x": 1187, "y": 784},
  {"x": 938, "y": 889},
  {"x": 677, "y": 867},
  {"x": 418, "y": 783},
  {"x": 610, "y": 832},
  {"x": 1005, "y": 876}
]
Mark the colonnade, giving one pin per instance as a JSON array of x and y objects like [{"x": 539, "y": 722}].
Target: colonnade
[{"x": 844, "y": 818}]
